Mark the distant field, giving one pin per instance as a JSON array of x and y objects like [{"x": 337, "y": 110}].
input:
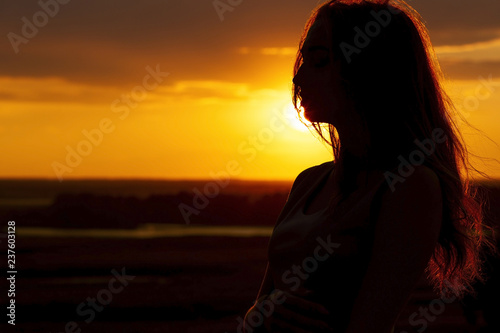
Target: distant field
[
  {"x": 39, "y": 188},
  {"x": 36, "y": 192},
  {"x": 127, "y": 204},
  {"x": 16, "y": 193}
]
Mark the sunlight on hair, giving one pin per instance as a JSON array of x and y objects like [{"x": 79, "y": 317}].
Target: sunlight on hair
[{"x": 295, "y": 122}]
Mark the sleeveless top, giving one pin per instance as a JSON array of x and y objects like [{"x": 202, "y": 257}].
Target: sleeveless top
[{"x": 327, "y": 251}]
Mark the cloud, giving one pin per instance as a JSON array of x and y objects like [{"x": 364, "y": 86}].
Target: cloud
[
  {"x": 110, "y": 42},
  {"x": 446, "y": 49},
  {"x": 53, "y": 89},
  {"x": 207, "y": 89},
  {"x": 268, "y": 51},
  {"x": 470, "y": 70},
  {"x": 280, "y": 51},
  {"x": 57, "y": 90},
  {"x": 454, "y": 22}
]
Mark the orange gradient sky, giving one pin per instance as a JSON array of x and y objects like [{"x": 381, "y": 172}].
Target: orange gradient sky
[{"x": 166, "y": 89}]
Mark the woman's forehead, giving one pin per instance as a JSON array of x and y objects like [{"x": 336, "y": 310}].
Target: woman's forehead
[{"x": 316, "y": 36}]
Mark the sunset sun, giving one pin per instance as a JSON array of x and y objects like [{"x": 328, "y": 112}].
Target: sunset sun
[{"x": 293, "y": 117}]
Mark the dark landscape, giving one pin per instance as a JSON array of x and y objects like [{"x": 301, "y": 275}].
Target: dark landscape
[{"x": 177, "y": 284}]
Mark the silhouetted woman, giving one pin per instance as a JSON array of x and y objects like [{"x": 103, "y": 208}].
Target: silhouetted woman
[{"x": 357, "y": 233}]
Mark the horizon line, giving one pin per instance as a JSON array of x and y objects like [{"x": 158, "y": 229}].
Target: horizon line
[
  {"x": 194, "y": 180},
  {"x": 140, "y": 179}
]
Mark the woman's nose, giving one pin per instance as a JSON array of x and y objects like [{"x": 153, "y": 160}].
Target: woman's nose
[{"x": 296, "y": 78}]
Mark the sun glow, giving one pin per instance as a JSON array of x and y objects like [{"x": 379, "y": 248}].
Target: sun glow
[{"x": 295, "y": 122}]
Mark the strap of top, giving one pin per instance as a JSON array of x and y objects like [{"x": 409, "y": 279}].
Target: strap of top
[
  {"x": 310, "y": 176},
  {"x": 302, "y": 185}
]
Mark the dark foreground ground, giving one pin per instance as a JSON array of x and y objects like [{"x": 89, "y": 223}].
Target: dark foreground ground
[
  {"x": 186, "y": 284},
  {"x": 180, "y": 284}
]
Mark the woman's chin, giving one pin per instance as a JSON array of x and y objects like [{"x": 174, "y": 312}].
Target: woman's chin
[
  {"x": 314, "y": 118},
  {"x": 310, "y": 116}
]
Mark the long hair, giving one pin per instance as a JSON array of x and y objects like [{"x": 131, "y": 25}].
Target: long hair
[{"x": 389, "y": 69}]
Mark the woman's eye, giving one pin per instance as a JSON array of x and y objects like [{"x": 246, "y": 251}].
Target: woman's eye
[{"x": 320, "y": 58}]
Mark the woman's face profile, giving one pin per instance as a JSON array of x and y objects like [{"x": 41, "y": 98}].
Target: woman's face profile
[{"x": 322, "y": 96}]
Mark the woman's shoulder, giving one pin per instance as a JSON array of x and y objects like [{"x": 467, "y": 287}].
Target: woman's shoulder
[
  {"x": 416, "y": 176},
  {"x": 420, "y": 187},
  {"x": 316, "y": 169},
  {"x": 312, "y": 173}
]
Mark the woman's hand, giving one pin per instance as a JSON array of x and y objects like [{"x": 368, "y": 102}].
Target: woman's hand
[{"x": 283, "y": 312}]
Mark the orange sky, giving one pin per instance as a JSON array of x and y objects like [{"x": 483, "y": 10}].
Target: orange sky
[{"x": 168, "y": 90}]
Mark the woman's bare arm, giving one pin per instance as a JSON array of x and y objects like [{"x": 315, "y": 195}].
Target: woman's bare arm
[
  {"x": 406, "y": 234},
  {"x": 266, "y": 288},
  {"x": 280, "y": 300},
  {"x": 267, "y": 285}
]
